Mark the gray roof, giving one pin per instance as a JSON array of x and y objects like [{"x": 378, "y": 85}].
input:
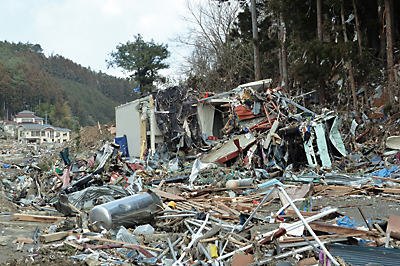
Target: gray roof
[
  {"x": 42, "y": 127},
  {"x": 36, "y": 126},
  {"x": 26, "y": 112}
]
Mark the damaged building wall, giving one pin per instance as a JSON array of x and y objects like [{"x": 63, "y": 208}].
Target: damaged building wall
[
  {"x": 128, "y": 122},
  {"x": 168, "y": 115}
]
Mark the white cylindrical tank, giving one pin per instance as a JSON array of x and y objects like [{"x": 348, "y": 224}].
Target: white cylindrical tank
[{"x": 128, "y": 211}]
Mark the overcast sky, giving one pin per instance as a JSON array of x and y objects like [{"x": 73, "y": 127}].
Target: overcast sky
[{"x": 86, "y": 31}]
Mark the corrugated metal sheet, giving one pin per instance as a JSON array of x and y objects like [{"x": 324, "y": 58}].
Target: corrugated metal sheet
[{"x": 360, "y": 256}]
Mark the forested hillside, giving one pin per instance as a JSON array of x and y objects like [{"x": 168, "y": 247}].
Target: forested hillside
[{"x": 56, "y": 86}]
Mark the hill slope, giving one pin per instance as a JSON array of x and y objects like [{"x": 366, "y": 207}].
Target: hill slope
[{"x": 57, "y": 86}]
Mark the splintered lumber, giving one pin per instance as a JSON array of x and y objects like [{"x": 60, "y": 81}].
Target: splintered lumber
[
  {"x": 53, "y": 237},
  {"x": 74, "y": 208},
  {"x": 385, "y": 179},
  {"x": 341, "y": 230},
  {"x": 195, "y": 205},
  {"x": 167, "y": 195},
  {"x": 358, "y": 191},
  {"x": 122, "y": 243},
  {"x": 74, "y": 245},
  {"x": 37, "y": 218},
  {"x": 390, "y": 190},
  {"x": 226, "y": 208}
]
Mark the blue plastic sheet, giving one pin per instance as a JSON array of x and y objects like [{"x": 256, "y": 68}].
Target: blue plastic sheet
[
  {"x": 346, "y": 222},
  {"x": 386, "y": 172},
  {"x": 123, "y": 142}
]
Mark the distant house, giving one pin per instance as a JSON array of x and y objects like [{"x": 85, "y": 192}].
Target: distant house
[
  {"x": 37, "y": 133},
  {"x": 27, "y": 117}
]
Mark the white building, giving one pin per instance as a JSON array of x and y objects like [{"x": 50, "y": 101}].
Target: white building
[
  {"x": 37, "y": 133},
  {"x": 27, "y": 117}
]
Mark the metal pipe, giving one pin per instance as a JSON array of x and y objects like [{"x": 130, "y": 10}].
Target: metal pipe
[
  {"x": 387, "y": 240},
  {"x": 258, "y": 207},
  {"x": 290, "y": 227},
  {"x": 194, "y": 223},
  {"x": 180, "y": 238},
  {"x": 297, "y": 105},
  {"x": 226, "y": 243},
  {"x": 308, "y": 226},
  {"x": 194, "y": 239},
  {"x": 205, "y": 252},
  {"x": 299, "y": 223},
  {"x": 188, "y": 227},
  {"x": 172, "y": 249},
  {"x": 173, "y": 244},
  {"x": 175, "y": 211},
  {"x": 176, "y": 216}
]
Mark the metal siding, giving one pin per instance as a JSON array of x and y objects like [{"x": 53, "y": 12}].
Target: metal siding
[{"x": 360, "y": 256}]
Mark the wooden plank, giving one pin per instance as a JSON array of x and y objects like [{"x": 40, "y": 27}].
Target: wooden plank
[
  {"x": 74, "y": 245},
  {"x": 212, "y": 239},
  {"x": 167, "y": 195},
  {"x": 226, "y": 208},
  {"x": 216, "y": 209},
  {"x": 123, "y": 243},
  {"x": 143, "y": 135},
  {"x": 219, "y": 216},
  {"x": 74, "y": 208},
  {"x": 287, "y": 239},
  {"x": 245, "y": 207},
  {"x": 53, "y": 237},
  {"x": 199, "y": 208},
  {"x": 231, "y": 239},
  {"x": 161, "y": 184},
  {"x": 37, "y": 218},
  {"x": 180, "y": 205},
  {"x": 389, "y": 190},
  {"x": 342, "y": 230},
  {"x": 385, "y": 179}
]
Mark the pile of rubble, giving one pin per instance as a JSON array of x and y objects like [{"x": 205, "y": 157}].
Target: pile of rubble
[{"x": 274, "y": 184}]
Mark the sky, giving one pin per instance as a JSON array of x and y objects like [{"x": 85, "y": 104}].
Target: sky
[{"x": 86, "y": 31}]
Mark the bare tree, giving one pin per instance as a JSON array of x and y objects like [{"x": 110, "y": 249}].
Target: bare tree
[
  {"x": 389, "y": 40},
  {"x": 217, "y": 60},
  {"x": 360, "y": 51},
  {"x": 349, "y": 66}
]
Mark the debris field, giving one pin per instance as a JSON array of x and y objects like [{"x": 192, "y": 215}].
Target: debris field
[{"x": 246, "y": 177}]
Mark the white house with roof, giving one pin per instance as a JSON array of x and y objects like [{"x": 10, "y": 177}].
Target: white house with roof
[
  {"x": 37, "y": 133},
  {"x": 27, "y": 117}
]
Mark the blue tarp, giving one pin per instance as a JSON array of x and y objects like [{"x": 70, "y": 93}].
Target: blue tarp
[
  {"x": 386, "y": 172},
  {"x": 123, "y": 142}
]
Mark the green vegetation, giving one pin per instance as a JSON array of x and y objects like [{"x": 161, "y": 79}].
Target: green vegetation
[
  {"x": 142, "y": 59},
  {"x": 67, "y": 93}
]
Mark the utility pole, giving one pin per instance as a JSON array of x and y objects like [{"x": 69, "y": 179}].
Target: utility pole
[{"x": 255, "y": 41}]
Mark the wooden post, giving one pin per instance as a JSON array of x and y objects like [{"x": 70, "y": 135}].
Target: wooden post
[
  {"x": 152, "y": 126},
  {"x": 143, "y": 135}
]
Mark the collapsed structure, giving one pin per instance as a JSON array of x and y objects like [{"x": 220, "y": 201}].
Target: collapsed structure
[
  {"x": 219, "y": 179},
  {"x": 177, "y": 120}
]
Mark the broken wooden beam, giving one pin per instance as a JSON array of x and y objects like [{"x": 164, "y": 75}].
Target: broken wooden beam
[
  {"x": 341, "y": 230},
  {"x": 37, "y": 218},
  {"x": 122, "y": 243},
  {"x": 53, "y": 237}
]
